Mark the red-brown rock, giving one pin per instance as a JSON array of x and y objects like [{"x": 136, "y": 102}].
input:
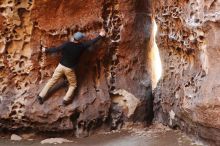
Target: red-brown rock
[
  {"x": 117, "y": 68},
  {"x": 187, "y": 95}
]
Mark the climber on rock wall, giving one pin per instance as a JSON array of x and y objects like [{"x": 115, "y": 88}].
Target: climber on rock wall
[{"x": 71, "y": 52}]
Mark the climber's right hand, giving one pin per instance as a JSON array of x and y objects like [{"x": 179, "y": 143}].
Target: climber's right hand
[
  {"x": 43, "y": 49},
  {"x": 102, "y": 33}
]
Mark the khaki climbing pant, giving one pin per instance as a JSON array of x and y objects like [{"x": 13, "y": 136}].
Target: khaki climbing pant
[{"x": 58, "y": 73}]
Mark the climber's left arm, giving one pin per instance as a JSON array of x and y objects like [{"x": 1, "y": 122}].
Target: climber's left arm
[{"x": 89, "y": 43}]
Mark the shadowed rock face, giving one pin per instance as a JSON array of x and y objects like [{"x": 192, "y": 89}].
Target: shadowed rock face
[
  {"x": 116, "y": 68},
  {"x": 187, "y": 95}
]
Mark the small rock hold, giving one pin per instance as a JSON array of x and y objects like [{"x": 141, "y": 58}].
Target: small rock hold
[
  {"x": 15, "y": 137},
  {"x": 55, "y": 141}
]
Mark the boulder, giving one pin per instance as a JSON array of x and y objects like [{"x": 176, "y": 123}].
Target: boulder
[
  {"x": 187, "y": 95},
  {"x": 118, "y": 63}
]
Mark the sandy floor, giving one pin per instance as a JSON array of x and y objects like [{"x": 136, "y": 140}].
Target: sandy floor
[{"x": 130, "y": 137}]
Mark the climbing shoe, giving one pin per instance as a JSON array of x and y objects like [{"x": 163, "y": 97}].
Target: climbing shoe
[
  {"x": 66, "y": 102},
  {"x": 40, "y": 99}
]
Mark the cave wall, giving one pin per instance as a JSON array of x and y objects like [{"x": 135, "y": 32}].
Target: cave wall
[
  {"x": 113, "y": 81},
  {"x": 187, "y": 95}
]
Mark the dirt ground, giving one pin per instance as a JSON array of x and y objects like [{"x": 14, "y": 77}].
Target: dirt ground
[{"x": 156, "y": 135}]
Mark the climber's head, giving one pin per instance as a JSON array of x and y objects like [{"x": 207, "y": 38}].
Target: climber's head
[{"x": 77, "y": 37}]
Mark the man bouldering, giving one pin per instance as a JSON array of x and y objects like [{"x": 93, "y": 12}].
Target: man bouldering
[{"x": 71, "y": 52}]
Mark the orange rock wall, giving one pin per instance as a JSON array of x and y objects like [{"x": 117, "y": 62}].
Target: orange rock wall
[
  {"x": 187, "y": 94},
  {"x": 113, "y": 81}
]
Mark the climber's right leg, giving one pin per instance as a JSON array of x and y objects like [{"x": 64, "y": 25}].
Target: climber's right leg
[{"x": 58, "y": 73}]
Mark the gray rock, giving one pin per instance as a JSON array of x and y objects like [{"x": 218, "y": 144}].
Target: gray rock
[
  {"x": 55, "y": 141},
  {"x": 15, "y": 137}
]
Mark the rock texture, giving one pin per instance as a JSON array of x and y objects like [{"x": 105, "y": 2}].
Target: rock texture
[
  {"x": 113, "y": 81},
  {"x": 187, "y": 95}
]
